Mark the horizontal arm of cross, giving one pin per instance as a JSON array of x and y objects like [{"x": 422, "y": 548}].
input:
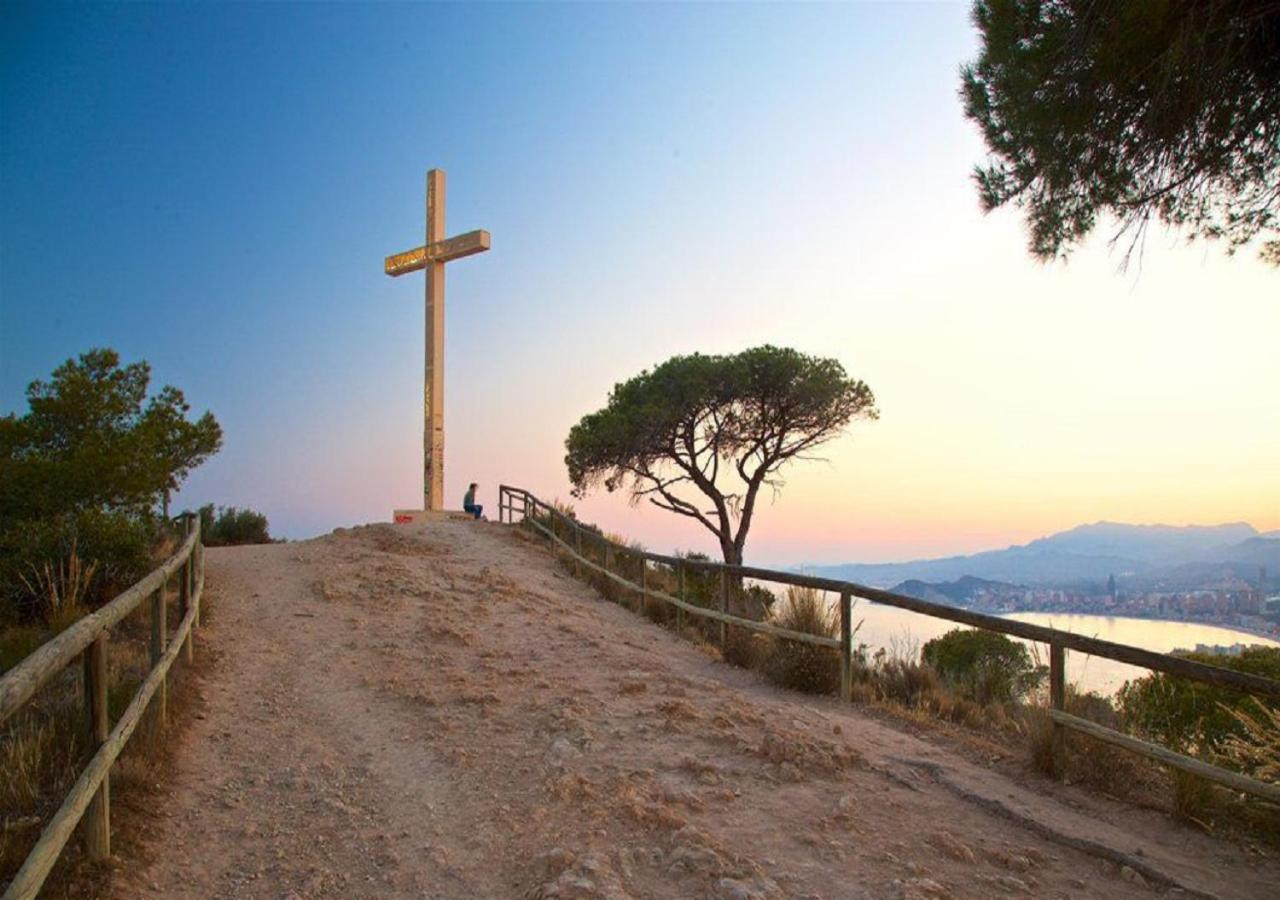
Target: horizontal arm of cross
[{"x": 441, "y": 251}]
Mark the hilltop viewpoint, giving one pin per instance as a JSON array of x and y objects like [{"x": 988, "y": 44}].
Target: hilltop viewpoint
[{"x": 440, "y": 710}]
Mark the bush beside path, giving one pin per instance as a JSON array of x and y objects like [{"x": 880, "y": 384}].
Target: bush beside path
[{"x": 439, "y": 711}]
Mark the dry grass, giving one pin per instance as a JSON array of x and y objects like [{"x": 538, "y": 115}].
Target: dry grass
[
  {"x": 942, "y": 703},
  {"x": 898, "y": 679},
  {"x": 1132, "y": 778},
  {"x": 1193, "y": 799},
  {"x": 904, "y": 681},
  {"x": 41, "y": 751},
  {"x": 1040, "y": 741},
  {"x": 893, "y": 676},
  {"x": 1257, "y": 752},
  {"x": 61, "y": 589},
  {"x": 44, "y": 747},
  {"x": 746, "y": 649},
  {"x": 1103, "y": 767},
  {"x": 659, "y": 612},
  {"x": 797, "y": 665}
]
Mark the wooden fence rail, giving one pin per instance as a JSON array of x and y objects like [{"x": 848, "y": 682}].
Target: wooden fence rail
[
  {"x": 513, "y": 501},
  {"x": 89, "y": 800}
]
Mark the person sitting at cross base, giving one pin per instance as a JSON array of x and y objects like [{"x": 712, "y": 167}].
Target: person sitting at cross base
[{"x": 469, "y": 502}]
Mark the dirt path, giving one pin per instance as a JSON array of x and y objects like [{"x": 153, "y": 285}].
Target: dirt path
[{"x": 438, "y": 711}]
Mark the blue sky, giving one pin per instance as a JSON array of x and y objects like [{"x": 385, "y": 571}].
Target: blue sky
[{"x": 213, "y": 188}]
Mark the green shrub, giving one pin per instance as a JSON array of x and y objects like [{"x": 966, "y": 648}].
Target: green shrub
[
  {"x": 983, "y": 665},
  {"x": 701, "y": 583},
  {"x": 1191, "y": 716},
  {"x": 88, "y": 467},
  {"x": 701, "y": 588},
  {"x": 231, "y": 526},
  {"x": 117, "y": 544},
  {"x": 93, "y": 439}
]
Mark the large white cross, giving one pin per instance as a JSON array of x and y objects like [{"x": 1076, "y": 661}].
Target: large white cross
[{"x": 432, "y": 256}]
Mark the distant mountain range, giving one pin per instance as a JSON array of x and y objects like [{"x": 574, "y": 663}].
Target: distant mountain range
[{"x": 1140, "y": 556}]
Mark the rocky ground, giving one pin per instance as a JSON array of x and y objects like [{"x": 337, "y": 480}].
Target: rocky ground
[{"x": 440, "y": 711}]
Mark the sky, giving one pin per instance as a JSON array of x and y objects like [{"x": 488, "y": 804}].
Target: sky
[{"x": 213, "y": 188}]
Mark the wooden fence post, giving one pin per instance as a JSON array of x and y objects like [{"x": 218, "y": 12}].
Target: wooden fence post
[
  {"x": 159, "y": 635},
  {"x": 846, "y": 646},
  {"x": 97, "y": 818},
  {"x": 1058, "y": 700},
  {"x": 608, "y": 562},
  {"x": 724, "y": 608},
  {"x": 679, "y": 611},
  {"x": 185, "y": 591},
  {"x": 195, "y": 623},
  {"x": 577, "y": 547},
  {"x": 644, "y": 585}
]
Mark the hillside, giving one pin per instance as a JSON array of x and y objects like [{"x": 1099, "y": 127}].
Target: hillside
[
  {"x": 961, "y": 592},
  {"x": 439, "y": 710},
  {"x": 1256, "y": 551},
  {"x": 1139, "y": 555}
]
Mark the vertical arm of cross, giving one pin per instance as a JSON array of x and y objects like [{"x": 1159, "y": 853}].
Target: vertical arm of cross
[{"x": 433, "y": 372}]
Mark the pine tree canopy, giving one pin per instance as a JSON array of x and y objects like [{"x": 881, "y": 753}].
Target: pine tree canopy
[{"x": 1164, "y": 109}]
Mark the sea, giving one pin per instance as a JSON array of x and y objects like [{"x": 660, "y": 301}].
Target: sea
[{"x": 900, "y": 631}]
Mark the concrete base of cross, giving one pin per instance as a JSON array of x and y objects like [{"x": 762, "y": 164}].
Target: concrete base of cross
[{"x": 412, "y": 516}]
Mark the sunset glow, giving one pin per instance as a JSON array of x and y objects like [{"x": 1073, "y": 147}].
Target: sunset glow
[{"x": 657, "y": 180}]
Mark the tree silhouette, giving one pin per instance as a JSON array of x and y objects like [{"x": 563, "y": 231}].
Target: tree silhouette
[{"x": 717, "y": 426}]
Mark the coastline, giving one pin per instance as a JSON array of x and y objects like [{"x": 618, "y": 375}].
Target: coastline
[{"x": 1242, "y": 630}]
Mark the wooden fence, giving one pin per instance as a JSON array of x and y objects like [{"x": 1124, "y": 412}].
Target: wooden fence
[
  {"x": 87, "y": 640},
  {"x": 566, "y": 533}
]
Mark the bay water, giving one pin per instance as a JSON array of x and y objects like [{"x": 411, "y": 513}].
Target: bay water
[{"x": 903, "y": 632}]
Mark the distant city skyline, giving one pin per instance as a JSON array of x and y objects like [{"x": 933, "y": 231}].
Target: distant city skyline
[{"x": 213, "y": 188}]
